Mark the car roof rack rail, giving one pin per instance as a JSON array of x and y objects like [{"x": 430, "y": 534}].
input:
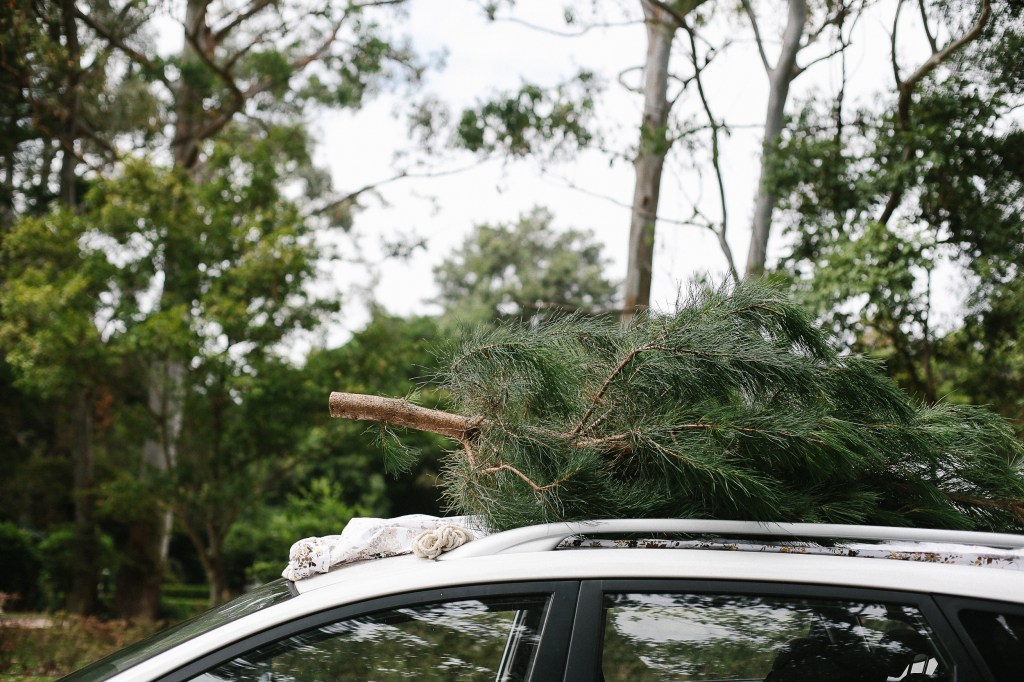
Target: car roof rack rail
[{"x": 547, "y": 537}]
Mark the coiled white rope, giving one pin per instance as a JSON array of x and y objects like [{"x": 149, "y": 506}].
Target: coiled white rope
[{"x": 432, "y": 543}]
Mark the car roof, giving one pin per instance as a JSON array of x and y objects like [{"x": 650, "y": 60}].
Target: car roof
[
  {"x": 566, "y": 552},
  {"x": 933, "y": 561}
]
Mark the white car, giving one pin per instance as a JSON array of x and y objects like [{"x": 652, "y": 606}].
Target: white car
[{"x": 626, "y": 600}]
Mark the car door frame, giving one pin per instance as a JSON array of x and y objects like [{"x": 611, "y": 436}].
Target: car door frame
[
  {"x": 584, "y": 661},
  {"x": 548, "y": 666},
  {"x": 952, "y": 605}
]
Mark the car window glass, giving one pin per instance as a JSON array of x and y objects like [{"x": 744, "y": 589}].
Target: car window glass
[
  {"x": 741, "y": 637},
  {"x": 1000, "y": 639},
  {"x": 258, "y": 599},
  {"x": 475, "y": 639}
]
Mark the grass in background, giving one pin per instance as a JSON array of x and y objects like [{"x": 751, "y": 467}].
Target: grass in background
[{"x": 37, "y": 647}]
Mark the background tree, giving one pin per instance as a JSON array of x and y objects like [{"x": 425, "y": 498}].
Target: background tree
[
  {"x": 265, "y": 62},
  {"x": 57, "y": 353},
  {"x": 896, "y": 194},
  {"x": 390, "y": 356},
  {"x": 524, "y": 271},
  {"x": 58, "y": 83}
]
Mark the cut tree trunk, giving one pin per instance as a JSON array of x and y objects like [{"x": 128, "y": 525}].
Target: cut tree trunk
[{"x": 402, "y": 413}]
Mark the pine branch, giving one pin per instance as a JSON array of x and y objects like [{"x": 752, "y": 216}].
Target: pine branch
[{"x": 735, "y": 406}]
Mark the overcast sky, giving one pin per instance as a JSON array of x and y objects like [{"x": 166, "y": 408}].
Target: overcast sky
[{"x": 484, "y": 58}]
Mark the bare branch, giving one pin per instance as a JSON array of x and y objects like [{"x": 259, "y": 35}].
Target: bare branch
[
  {"x": 232, "y": 60},
  {"x": 757, "y": 35},
  {"x": 325, "y": 46},
  {"x": 799, "y": 70},
  {"x": 621, "y": 204},
  {"x": 217, "y": 69},
  {"x": 715, "y": 155},
  {"x": 117, "y": 42},
  {"x": 906, "y": 93},
  {"x": 258, "y": 6},
  {"x": 837, "y": 19},
  {"x": 945, "y": 53},
  {"x": 401, "y": 175},
  {"x": 567, "y": 34},
  {"x": 892, "y": 44},
  {"x": 623, "y": 83},
  {"x": 927, "y": 29}
]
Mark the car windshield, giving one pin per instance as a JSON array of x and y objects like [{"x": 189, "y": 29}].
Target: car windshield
[{"x": 260, "y": 598}]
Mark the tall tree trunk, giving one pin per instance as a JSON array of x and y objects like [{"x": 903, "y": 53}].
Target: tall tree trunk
[
  {"x": 650, "y": 161},
  {"x": 82, "y": 598},
  {"x": 779, "y": 79},
  {"x": 139, "y": 580},
  {"x": 151, "y": 537},
  {"x": 209, "y": 546},
  {"x": 188, "y": 103},
  {"x": 215, "y": 571},
  {"x": 140, "y": 574}
]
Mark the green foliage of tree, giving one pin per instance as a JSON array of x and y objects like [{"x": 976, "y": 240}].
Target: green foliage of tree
[
  {"x": 874, "y": 203},
  {"x": 736, "y": 406},
  {"x": 78, "y": 310},
  {"x": 527, "y": 270},
  {"x": 256, "y": 549},
  {"x": 533, "y": 120},
  {"x": 49, "y": 298},
  {"x": 20, "y": 580},
  {"x": 387, "y": 357}
]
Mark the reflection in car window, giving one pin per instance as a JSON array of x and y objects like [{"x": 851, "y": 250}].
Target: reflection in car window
[
  {"x": 1000, "y": 639},
  {"x": 739, "y": 637},
  {"x": 250, "y": 602},
  {"x": 486, "y": 639}
]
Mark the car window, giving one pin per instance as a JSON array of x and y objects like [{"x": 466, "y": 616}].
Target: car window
[
  {"x": 776, "y": 639},
  {"x": 471, "y": 639},
  {"x": 260, "y": 598},
  {"x": 999, "y": 637}
]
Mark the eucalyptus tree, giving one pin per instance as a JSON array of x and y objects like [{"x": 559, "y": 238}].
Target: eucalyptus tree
[{"x": 679, "y": 115}]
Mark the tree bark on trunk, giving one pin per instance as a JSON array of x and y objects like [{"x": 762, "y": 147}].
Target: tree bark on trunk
[
  {"x": 82, "y": 598},
  {"x": 138, "y": 584},
  {"x": 779, "y": 79},
  {"x": 72, "y": 108},
  {"x": 188, "y": 104},
  {"x": 215, "y": 572},
  {"x": 650, "y": 161},
  {"x": 137, "y": 596}
]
